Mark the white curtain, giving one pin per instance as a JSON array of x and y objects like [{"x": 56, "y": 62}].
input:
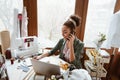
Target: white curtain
[
  {"x": 98, "y": 19},
  {"x": 24, "y": 23},
  {"x": 8, "y": 8},
  {"x": 114, "y": 31},
  {"x": 7, "y": 12},
  {"x": 51, "y": 16}
]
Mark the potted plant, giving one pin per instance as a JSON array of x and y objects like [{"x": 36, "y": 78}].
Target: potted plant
[{"x": 100, "y": 40}]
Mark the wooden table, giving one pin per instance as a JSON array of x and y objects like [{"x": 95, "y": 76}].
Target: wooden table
[
  {"x": 17, "y": 74},
  {"x": 14, "y": 73}
]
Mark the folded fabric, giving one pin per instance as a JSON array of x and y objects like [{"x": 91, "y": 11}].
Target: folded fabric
[
  {"x": 24, "y": 68},
  {"x": 77, "y": 74},
  {"x": 2, "y": 71}
]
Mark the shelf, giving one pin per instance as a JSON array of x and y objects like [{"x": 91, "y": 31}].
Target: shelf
[
  {"x": 94, "y": 72},
  {"x": 105, "y": 57},
  {"x": 99, "y": 59}
]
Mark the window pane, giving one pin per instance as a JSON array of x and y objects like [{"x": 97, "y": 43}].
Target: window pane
[
  {"x": 98, "y": 18},
  {"x": 51, "y": 16},
  {"x": 2, "y": 27},
  {"x": 7, "y": 13}
]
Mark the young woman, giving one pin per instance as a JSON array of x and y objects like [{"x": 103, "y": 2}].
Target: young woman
[{"x": 70, "y": 46}]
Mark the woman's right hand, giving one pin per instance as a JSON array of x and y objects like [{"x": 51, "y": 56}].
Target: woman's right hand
[
  {"x": 37, "y": 57},
  {"x": 41, "y": 56}
]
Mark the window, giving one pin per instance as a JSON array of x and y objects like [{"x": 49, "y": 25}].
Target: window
[
  {"x": 51, "y": 16},
  {"x": 98, "y": 18},
  {"x": 7, "y": 13},
  {"x": 119, "y": 50},
  {"x": 2, "y": 27}
]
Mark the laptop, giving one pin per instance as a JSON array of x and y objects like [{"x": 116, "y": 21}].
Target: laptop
[{"x": 43, "y": 68}]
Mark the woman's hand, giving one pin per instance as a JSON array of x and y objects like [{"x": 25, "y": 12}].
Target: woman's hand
[
  {"x": 41, "y": 56},
  {"x": 70, "y": 40},
  {"x": 37, "y": 57},
  {"x": 70, "y": 43}
]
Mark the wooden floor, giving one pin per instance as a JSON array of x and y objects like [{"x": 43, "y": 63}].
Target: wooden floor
[
  {"x": 111, "y": 78},
  {"x": 115, "y": 78}
]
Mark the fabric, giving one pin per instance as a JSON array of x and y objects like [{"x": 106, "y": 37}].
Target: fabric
[
  {"x": 78, "y": 50},
  {"x": 3, "y": 71},
  {"x": 66, "y": 52},
  {"x": 77, "y": 74},
  {"x": 113, "y": 39}
]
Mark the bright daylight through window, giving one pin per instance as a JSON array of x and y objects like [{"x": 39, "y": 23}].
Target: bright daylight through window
[
  {"x": 51, "y": 16},
  {"x": 98, "y": 20},
  {"x": 7, "y": 8}
]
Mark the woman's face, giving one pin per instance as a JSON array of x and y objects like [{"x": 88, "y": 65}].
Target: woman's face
[{"x": 65, "y": 31}]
